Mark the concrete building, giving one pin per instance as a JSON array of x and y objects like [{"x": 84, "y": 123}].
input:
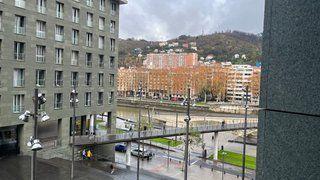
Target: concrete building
[
  {"x": 55, "y": 45},
  {"x": 170, "y": 60},
  {"x": 288, "y": 136}
]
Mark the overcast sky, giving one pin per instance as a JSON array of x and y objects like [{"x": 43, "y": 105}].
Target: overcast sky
[{"x": 166, "y": 19}]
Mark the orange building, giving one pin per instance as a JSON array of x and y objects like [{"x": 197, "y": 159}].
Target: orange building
[{"x": 170, "y": 60}]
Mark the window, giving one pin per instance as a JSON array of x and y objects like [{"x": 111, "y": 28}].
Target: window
[
  {"x": 112, "y": 45},
  {"x": 111, "y": 79},
  {"x": 40, "y": 54},
  {"x": 113, "y": 8},
  {"x": 41, "y": 29},
  {"x": 0, "y": 47},
  {"x": 40, "y": 77},
  {"x": 75, "y": 37},
  {"x": 102, "y": 5},
  {"x": 89, "y": 59},
  {"x": 74, "y": 78},
  {"x": 0, "y": 20},
  {"x": 18, "y": 77},
  {"x": 100, "y": 79},
  {"x": 89, "y": 3},
  {"x": 58, "y": 101},
  {"x": 74, "y": 58},
  {"x": 89, "y": 39},
  {"x": 111, "y": 97},
  {"x": 75, "y": 15},
  {"x": 88, "y": 79},
  {"x": 112, "y": 62},
  {"x": 18, "y": 103},
  {"x": 59, "y": 10},
  {"x": 101, "y": 61},
  {"x": 101, "y": 23},
  {"x": 59, "y": 56},
  {"x": 19, "y": 48},
  {"x": 59, "y": 33},
  {"x": 87, "y": 99},
  {"x": 20, "y": 25},
  {"x": 112, "y": 26},
  {"x": 58, "y": 78},
  {"x": 89, "y": 19},
  {"x": 20, "y": 3},
  {"x": 101, "y": 42},
  {"x": 41, "y": 5},
  {"x": 100, "y": 98}
]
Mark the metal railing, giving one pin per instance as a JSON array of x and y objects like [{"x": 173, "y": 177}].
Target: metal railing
[
  {"x": 100, "y": 102},
  {"x": 58, "y": 105},
  {"x": 59, "y": 37},
  {"x": 59, "y": 14},
  {"x": 19, "y": 83},
  {"x": 17, "y": 108},
  {"x": 19, "y": 56},
  {"x": 20, "y": 30},
  {"x": 89, "y": 63},
  {"x": 75, "y": 19},
  {"x": 41, "y": 34},
  {"x": 20, "y": 3},
  {"x": 42, "y": 9},
  {"x": 40, "y": 58},
  {"x": 40, "y": 82},
  {"x": 58, "y": 82}
]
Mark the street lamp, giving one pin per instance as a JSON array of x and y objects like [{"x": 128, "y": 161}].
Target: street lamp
[
  {"x": 223, "y": 154},
  {"x": 187, "y": 120},
  {"x": 245, "y": 133},
  {"x": 73, "y": 101},
  {"x": 139, "y": 128},
  {"x": 34, "y": 144}
]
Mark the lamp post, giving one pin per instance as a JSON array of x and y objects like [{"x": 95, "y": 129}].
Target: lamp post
[
  {"x": 223, "y": 154},
  {"x": 187, "y": 120},
  {"x": 73, "y": 102},
  {"x": 245, "y": 134},
  {"x": 139, "y": 127},
  {"x": 34, "y": 143}
]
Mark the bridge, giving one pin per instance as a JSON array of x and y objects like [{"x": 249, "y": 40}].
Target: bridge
[{"x": 103, "y": 137}]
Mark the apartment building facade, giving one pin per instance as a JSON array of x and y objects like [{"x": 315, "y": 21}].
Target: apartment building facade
[
  {"x": 55, "y": 46},
  {"x": 170, "y": 60}
]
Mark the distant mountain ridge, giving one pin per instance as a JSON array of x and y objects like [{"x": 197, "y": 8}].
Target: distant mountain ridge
[{"x": 222, "y": 46}]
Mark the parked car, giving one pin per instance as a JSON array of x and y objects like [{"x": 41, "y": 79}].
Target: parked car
[
  {"x": 120, "y": 148},
  {"x": 142, "y": 154}
]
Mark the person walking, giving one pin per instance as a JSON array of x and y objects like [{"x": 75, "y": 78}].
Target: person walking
[
  {"x": 84, "y": 154},
  {"x": 89, "y": 154}
]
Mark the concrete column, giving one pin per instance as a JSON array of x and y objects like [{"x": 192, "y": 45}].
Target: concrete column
[
  {"x": 128, "y": 154},
  {"x": 216, "y": 146},
  {"x": 92, "y": 119}
]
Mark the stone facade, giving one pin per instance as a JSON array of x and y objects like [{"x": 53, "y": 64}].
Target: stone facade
[
  {"x": 288, "y": 139},
  {"x": 56, "y": 132}
]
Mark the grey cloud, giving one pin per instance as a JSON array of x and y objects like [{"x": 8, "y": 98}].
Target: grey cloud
[{"x": 165, "y": 19}]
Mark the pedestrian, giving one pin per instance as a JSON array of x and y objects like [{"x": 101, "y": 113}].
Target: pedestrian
[
  {"x": 222, "y": 123},
  {"x": 112, "y": 168},
  {"x": 89, "y": 154},
  {"x": 84, "y": 154}
]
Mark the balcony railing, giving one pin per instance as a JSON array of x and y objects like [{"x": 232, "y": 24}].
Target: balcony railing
[
  {"x": 112, "y": 48},
  {"x": 40, "y": 82},
  {"x": 101, "y": 64},
  {"x": 40, "y": 58},
  {"x": 20, "y": 3},
  {"x": 42, "y": 9},
  {"x": 20, "y": 30},
  {"x": 58, "y": 105},
  {"x": 88, "y": 103},
  {"x": 58, "y": 82},
  {"x": 59, "y": 37},
  {"x": 75, "y": 41},
  {"x": 74, "y": 82},
  {"x": 41, "y": 34},
  {"x": 113, "y": 12},
  {"x": 19, "y": 83},
  {"x": 89, "y": 23},
  {"x": 112, "y": 30},
  {"x": 18, "y": 108},
  {"x": 89, "y": 63},
  {"x": 19, "y": 56},
  {"x": 75, "y": 19},
  {"x": 101, "y": 27},
  {"x": 100, "y": 102},
  {"x": 74, "y": 62},
  {"x": 102, "y": 8},
  {"x": 89, "y": 3},
  {"x": 59, "y": 14}
]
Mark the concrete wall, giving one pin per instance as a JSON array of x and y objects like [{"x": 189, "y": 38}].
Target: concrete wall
[{"x": 288, "y": 140}]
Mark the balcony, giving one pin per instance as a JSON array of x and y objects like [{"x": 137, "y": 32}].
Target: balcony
[
  {"x": 42, "y": 9},
  {"x": 58, "y": 105},
  {"x": 20, "y": 30},
  {"x": 100, "y": 102},
  {"x": 19, "y": 56},
  {"x": 58, "y": 83},
  {"x": 18, "y": 83},
  {"x": 17, "y": 108},
  {"x": 40, "y": 58},
  {"x": 59, "y": 14},
  {"x": 41, "y": 34},
  {"x": 89, "y": 63},
  {"x": 20, "y": 3},
  {"x": 59, "y": 37}
]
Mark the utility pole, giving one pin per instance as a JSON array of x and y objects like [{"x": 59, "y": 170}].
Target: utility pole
[
  {"x": 35, "y": 133},
  {"x": 187, "y": 120},
  {"x": 73, "y": 129},
  {"x": 139, "y": 127},
  {"x": 245, "y": 135},
  {"x": 176, "y": 137}
]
